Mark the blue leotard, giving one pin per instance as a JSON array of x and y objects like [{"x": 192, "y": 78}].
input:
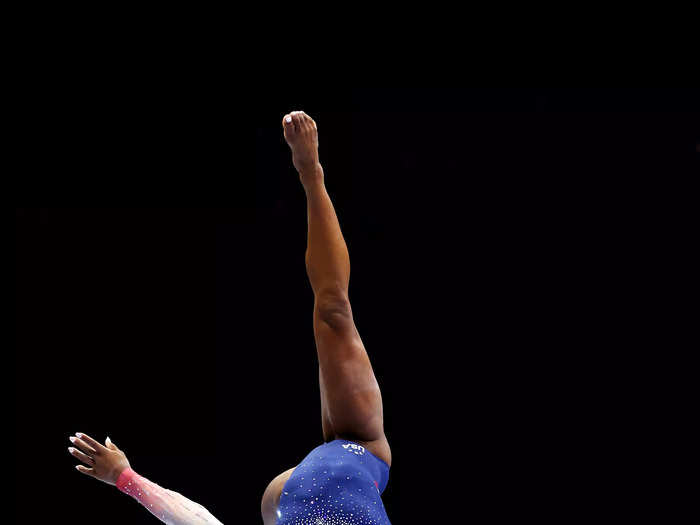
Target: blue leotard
[{"x": 337, "y": 483}]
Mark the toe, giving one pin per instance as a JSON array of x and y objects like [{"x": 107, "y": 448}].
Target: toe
[
  {"x": 298, "y": 120},
  {"x": 288, "y": 125},
  {"x": 308, "y": 121}
]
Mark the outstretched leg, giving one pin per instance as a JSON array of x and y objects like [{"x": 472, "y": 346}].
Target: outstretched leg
[{"x": 351, "y": 401}]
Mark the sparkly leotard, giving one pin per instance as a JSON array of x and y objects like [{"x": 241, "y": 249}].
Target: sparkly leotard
[{"x": 337, "y": 483}]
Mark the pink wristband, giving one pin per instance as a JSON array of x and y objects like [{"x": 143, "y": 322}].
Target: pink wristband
[{"x": 125, "y": 479}]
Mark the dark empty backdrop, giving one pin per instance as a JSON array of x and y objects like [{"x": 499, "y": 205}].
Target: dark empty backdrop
[{"x": 497, "y": 241}]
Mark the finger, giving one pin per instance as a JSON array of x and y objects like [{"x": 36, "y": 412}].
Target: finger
[
  {"x": 85, "y": 470},
  {"x": 81, "y": 456},
  {"x": 92, "y": 442},
  {"x": 83, "y": 446}
]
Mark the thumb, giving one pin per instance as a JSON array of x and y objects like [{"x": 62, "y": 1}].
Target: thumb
[{"x": 109, "y": 444}]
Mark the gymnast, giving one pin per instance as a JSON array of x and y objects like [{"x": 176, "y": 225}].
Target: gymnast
[{"x": 341, "y": 481}]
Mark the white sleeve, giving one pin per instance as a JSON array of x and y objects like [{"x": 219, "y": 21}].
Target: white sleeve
[{"x": 168, "y": 506}]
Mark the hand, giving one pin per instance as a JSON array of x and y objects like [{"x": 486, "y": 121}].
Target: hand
[{"x": 105, "y": 463}]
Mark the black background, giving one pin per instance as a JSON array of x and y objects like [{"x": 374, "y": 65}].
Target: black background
[{"x": 499, "y": 242}]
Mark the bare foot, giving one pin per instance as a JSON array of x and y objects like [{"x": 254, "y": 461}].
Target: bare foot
[{"x": 301, "y": 135}]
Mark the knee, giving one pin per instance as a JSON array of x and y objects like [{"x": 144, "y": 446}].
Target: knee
[{"x": 333, "y": 307}]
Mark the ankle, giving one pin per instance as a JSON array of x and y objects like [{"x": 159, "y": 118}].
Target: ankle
[{"x": 311, "y": 176}]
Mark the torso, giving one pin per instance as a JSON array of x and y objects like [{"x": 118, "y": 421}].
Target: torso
[{"x": 271, "y": 497}]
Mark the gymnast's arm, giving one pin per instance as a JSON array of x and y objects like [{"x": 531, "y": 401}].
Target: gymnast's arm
[{"x": 109, "y": 464}]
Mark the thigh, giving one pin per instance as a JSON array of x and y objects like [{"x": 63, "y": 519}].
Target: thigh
[
  {"x": 351, "y": 398},
  {"x": 326, "y": 426}
]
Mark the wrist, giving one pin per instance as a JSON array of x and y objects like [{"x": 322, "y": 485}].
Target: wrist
[{"x": 125, "y": 478}]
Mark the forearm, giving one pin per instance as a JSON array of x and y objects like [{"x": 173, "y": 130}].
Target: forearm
[
  {"x": 168, "y": 506},
  {"x": 327, "y": 258}
]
